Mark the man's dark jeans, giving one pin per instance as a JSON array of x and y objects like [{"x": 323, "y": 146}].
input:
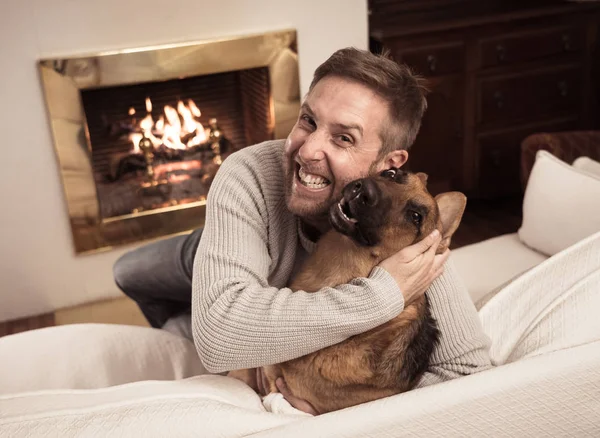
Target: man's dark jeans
[{"x": 158, "y": 276}]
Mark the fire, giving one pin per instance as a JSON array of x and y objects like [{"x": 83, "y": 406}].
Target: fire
[{"x": 176, "y": 128}]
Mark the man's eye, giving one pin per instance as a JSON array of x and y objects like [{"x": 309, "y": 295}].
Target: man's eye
[
  {"x": 345, "y": 139},
  {"x": 308, "y": 119},
  {"x": 389, "y": 173},
  {"x": 415, "y": 217}
]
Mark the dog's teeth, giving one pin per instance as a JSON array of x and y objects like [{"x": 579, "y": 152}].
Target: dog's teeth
[
  {"x": 342, "y": 211},
  {"x": 340, "y": 204}
]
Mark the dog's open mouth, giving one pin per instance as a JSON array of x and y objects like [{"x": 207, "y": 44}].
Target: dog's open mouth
[
  {"x": 342, "y": 218},
  {"x": 346, "y": 214}
]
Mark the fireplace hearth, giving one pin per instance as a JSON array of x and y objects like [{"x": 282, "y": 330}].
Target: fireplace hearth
[{"x": 140, "y": 134}]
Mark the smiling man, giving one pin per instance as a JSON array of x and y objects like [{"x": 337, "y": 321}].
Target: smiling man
[{"x": 266, "y": 209}]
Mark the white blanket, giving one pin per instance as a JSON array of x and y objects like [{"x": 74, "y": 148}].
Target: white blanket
[
  {"x": 544, "y": 329},
  {"x": 551, "y": 307}
]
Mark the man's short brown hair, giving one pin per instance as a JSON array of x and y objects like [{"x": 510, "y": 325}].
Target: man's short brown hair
[{"x": 395, "y": 83}]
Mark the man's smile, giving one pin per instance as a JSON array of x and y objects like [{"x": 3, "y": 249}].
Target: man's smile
[{"x": 309, "y": 180}]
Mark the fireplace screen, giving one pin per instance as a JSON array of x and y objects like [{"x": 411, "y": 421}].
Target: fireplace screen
[{"x": 141, "y": 134}]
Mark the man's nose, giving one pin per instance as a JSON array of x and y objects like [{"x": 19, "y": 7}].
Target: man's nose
[
  {"x": 364, "y": 191},
  {"x": 313, "y": 147}
]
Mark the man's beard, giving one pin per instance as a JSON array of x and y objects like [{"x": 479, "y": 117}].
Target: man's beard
[{"x": 314, "y": 212}]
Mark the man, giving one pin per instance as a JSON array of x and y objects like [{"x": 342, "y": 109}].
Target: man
[{"x": 266, "y": 209}]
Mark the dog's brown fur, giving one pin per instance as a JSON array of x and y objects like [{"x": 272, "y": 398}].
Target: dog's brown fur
[{"x": 391, "y": 358}]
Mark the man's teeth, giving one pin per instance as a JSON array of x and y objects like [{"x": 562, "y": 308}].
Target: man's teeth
[{"x": 312, "y": 181}]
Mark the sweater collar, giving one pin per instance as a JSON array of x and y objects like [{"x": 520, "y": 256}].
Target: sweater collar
[{"x": 307, "y": 244}]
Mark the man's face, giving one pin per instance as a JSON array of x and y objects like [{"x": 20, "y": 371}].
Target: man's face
[{"x": 335, "y": 141}]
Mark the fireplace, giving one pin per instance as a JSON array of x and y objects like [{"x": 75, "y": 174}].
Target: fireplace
[
  {"x": 178, "y": 117},
  {"x": 140, "y": 134}
]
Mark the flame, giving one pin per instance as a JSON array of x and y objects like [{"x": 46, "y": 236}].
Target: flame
[
  {"x": 193, "y": 108},
  {"x": 135, "y": 139},
  {"x": 147, "y": 123},
  {"x": 173, "y": 126},
  {"x": 160, "y": 126},
  {"x": 131, "y": 111}
]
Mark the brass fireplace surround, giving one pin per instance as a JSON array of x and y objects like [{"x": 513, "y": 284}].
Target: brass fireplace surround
[{"x": 62, "y": 80}]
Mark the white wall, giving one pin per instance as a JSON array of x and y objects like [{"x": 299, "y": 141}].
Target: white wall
[{"x": 38, "y": 269}]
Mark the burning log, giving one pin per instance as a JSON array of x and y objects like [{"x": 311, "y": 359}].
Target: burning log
[
  {"x": 122, "y": 164},
  {"x": 176, "y": 135},
  {"x": 187, "y": 137},
  {"x": 121, "y": 128}
]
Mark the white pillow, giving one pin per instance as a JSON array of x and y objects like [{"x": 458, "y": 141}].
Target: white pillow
[
  {"x": 588, "y": 165},
  {"x": 561, "y": 205}
]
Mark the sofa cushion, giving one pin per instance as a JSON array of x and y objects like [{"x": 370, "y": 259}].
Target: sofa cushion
[
  {"x": 84, "y": 356},
  {"x": 588, "y": 165},
  {"x": 560, "y": 206},
  {"x": 486, "y": 265}
]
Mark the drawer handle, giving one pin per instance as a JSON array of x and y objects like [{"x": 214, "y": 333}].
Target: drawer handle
[
  {"x": 499, "y": 99},
  {"x": 501, "y": 53},
  {"x": 432, "y": 62},
  {"x": 563, "y": 88},
  {"x": 566, "y": 40}
]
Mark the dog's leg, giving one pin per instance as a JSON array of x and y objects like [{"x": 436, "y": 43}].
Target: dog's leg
[
  {"x": 271, "y": 374},
  {"x": 248, "y": 376}
]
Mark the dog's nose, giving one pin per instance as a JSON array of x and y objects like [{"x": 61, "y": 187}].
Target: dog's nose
[{"x": 365, "y": 191}]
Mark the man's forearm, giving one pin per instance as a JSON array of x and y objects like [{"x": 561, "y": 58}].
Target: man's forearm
[{"x": 245, "y": 326}]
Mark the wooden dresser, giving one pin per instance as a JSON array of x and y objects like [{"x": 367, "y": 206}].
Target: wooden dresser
[{"x": 498, "y": 71}]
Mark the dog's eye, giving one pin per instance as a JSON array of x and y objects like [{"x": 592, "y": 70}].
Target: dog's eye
[
  {"x": 415, "y": 217},
  {"x": 389, "y": 173}
]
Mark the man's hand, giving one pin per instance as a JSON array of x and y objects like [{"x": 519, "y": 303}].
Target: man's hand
[
  {"x": 416, "y": 266},
  {"x": 296, "y": 402}
]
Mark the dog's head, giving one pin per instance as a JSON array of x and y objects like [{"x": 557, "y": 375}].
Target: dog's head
[{"x": 393, "y": 210}]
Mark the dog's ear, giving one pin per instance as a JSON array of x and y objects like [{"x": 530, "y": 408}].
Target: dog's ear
[
  {"x": 452, "y": 206},
  {"x": 423, "y": 177}
]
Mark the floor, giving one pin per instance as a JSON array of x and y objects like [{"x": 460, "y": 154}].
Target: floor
[
  {"x": 482, "y": 220},
  {"x": 117, "y": 311}
]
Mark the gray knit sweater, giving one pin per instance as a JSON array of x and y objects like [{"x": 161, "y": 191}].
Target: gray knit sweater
[{"x": 244, "y": 316}]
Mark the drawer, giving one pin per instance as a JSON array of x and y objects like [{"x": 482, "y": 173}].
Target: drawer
[
  {"x": 434, "y": 60},
  {"x": 529, "y": 95},
  {"x": 500, "y": 157},
  {"x": 530, "y": 46}
]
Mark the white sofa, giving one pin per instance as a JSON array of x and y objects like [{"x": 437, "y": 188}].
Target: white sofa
[
  {"x": 100, "y": 380},
  {"x": 487, "y": 265},
  {"x": 545, "y": 345}
]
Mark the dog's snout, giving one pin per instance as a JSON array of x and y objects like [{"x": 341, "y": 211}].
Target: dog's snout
[{"x": 365, "y": 191}]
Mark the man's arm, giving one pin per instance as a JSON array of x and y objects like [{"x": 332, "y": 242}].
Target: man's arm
[
  {"x": 238, "y": 320},
  {"x": 463, "y": 347}
]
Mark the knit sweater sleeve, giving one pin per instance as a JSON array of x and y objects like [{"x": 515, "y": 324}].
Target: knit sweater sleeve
[
  {"x": 238, "y": 319},
  {"x": 463, "y": 348}
]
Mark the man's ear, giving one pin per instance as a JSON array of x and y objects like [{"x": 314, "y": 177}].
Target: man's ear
[
  {"x": 451, "y": 206},
  {"x": 396, "y": 158}
]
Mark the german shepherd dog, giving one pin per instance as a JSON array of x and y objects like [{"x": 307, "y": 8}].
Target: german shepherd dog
[{"x": 376, "y": 217}]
